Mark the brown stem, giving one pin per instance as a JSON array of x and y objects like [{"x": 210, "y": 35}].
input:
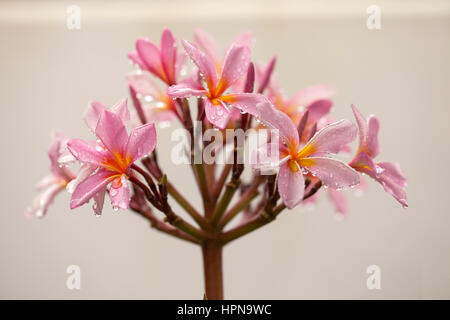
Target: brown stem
[{"x": 212, "y": 266}]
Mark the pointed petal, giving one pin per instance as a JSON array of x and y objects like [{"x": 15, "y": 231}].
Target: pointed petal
[
  {"x": 186, "y": 89},
  {"x": 339, "y": 201},
  {"x": 85, "y": 171},
  {"x": 333, "y": 173},
  {"x": 134, "y": 57},
  {"x": 393, "y": 180},
  {"x": 243, "y": 39},
  {"x": 120, "y": 193},
  {"x": 169, "y": 55},
  {"x": 330, "y": 139},
  {"x": 142, "y": 141},
  {"x": 217, "y": 115},
  {"x": 362, "y": 125},
  {"x": 57, "y": 146},
  {"x": 121, "y": 109},
  {"x": 234, "y": 67},
  {"x": 371, "y": 143},
  {"x": 42, "y": 202},
  {"x": 245, "y": 101},
  {"x": 208, "y": 45},
  {"x": 266, "y": 156},
  {"x": 112, "y": 132},
  {"x": 204, "y": 64},
  {"x": 99, "y": 200},
  {"x": 96, "y": 108},
  {"x": 93, "y": 113},
  {"x": 88, "y": 152},
  {"x": 149, "y": 53},
  {"x": 263, "y": 76},
  {"x": 278, "y": 120},
  {"x": 318, "y": 109},
  {"x": 363, "y": 163},
  {"x": 291, "y": 186},
  {"x": 90, "y": 186}
]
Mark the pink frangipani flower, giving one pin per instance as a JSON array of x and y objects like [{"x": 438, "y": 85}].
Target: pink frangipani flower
[
  {"x": 312, "y": 157},
  {"x": 91, "y": 117},
  {"x": 206, "y": 43},
  {"x": 113, "y": 158},
  {"x": 217, "y": 101},
  {"x": 55, "y": 182},
  {"x": 388, "y": 174},
  {"x": 164, "y": 63}
]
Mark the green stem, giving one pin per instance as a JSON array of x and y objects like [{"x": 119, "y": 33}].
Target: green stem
[
  {"x": 243, "y": 203},
  {"x": 225, "y": 200},
  {"x": 186, "y": 205}
]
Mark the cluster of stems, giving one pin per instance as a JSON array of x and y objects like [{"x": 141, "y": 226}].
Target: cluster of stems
[{"x": 258, "y": 203}]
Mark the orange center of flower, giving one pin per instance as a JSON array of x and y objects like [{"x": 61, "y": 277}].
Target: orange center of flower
[{"x": 118, "y": 162}]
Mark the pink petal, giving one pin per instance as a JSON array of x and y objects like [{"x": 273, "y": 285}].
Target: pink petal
[
  {"x": 121, "y": 109},
  {"x": 90, "y": 186},
  {"x": 339, "y": 200},
  {"x": 47, "y": 181},
  {"x": 311, "y": 94},
  {"x": 363, "y": 163},
  {"x": 362, "y": 126},
  {"x": 266, "y": 156},
  {"x": 88, "y": 152},
  {"x": 151, "y": 56},
  {"x": 318, "y": 109},
  {"x": 99, "y": 200},
  {"x": 112, "y": 132},
  {"x": 143, "y": 84},
  {"x": 291, "y": 186},
  {"x": 134, "y": 57},
  {"x": 85, "y": 171},
  {"x": 186, "y": 89},
  {"x": 119, "y": 193},
  {"x": 208, "y": 45},
  {"x": 278, "y": 120},
  {"x": 95, "y": 109},
  {"x": 169, "y": 55},
  {"x": 330, "y": 139},
  {"x": 142, "y": 141},
  {"x": 204, "y": 64},
  {"x": 42, "y": 201},
  {"x": 393, "y": 181},
  {"x": 93, "y": 113},
  {"x": 217, "y": 115},
  {"x": 245, "y": 102},
  {"x": 263, "y": 75},
  {"x": 371, "y": 143},
  {"x": 234, "y": 67},
  {"x": 57, "y": 146},
  {"x": 244, "y": 39},
  {"x": 368, "y": 133},
  {"x": 333, "y": 173}
]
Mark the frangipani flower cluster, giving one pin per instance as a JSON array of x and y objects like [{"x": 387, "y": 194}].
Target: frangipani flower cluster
[{"x": 123, "y": 164}]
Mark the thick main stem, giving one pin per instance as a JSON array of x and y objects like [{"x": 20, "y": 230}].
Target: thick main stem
[{"x": 212, "y": 266}]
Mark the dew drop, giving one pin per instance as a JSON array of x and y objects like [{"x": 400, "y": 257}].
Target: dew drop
[
  {"x": 148, "y": 99},
  {"x": 115, "y": 208}
]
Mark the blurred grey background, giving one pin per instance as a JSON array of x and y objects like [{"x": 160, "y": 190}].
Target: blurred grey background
[{"x": 401, "y": 73}]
